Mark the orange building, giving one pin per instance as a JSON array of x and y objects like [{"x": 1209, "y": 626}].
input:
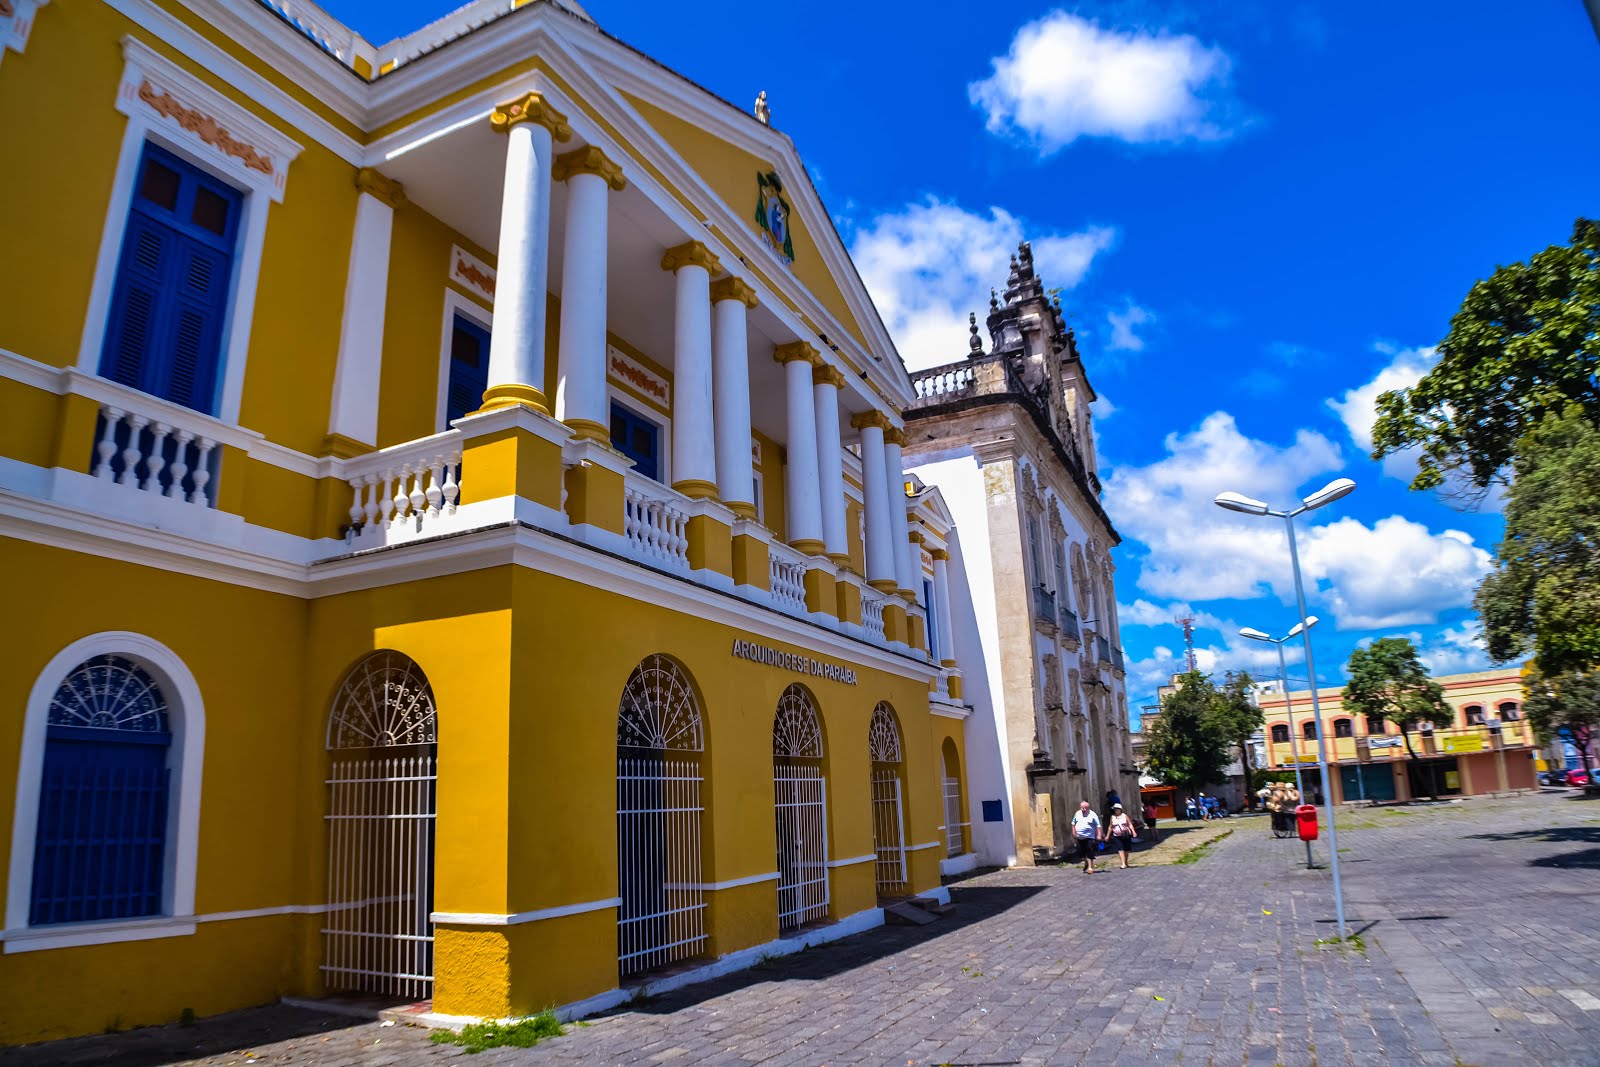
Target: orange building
[{"x": 1489, "y": 748}]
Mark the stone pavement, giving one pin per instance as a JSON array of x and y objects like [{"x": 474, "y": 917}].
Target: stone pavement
[{"x": 1481, "y": 946}]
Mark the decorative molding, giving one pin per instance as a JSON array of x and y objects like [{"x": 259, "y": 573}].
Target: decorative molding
[
  {"x": 894, "y": 435},
  {"x": 588, "y": 160},
  {"x": 826, "y": 375},
  {"x": 185, "y": 110},
  {"x": 853, "y": 860},
  {"x": 690, "y": 254},
  {"x": 864, "y": 419},
  {"x": 16, "y": 21},
  {"x": 794, "y": 351},
  {"x": 453, "y": 918},
  {"x": 385, "y": 189},
  {"x": 733, "y": 288},
  {"x": 530, "y": 107},
  {"x": 623, "y": 369},
  {"x": 472, "y": 274}
]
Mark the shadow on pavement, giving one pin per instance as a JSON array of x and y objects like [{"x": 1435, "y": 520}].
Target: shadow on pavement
[
  {"x": 152, "y": 1045},
  {"x": 1561, "y": 833},
  {"x": 1588, "y": 858},
  {"x": 973, "y": 905}
]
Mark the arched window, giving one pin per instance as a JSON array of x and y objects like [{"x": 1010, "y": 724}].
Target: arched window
[
  {"x": 1510, "y": 711},
  {"x": 888, "y": 815},
  {"x": 955, "y": 819},
  {"x": 800, "y": 806},
  {"x": 1280, "y": 733},
  {"x": 1474, "y": 714},
  {"x": 381, "y": 807},
  {"x": 660, "y": 736},
  {"x": 1344, "y": 728},
  {"x": 1308, "y": 729},
  {"x": 106, "y": 820}
]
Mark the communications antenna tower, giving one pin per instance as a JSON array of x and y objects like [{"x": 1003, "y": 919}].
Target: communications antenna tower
[{"x": 1187, "y": 622}]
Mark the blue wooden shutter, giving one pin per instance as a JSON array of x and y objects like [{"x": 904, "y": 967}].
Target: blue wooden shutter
[
  {"x": 136, "y": 306},
  {"x": 469, "y": 368}
]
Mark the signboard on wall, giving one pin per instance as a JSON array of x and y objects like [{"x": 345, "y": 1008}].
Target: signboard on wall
[
  {"x": 471, "y": 273},
  {"x": 622, "y": 369},
  {"x": 1465, "y": 743}
]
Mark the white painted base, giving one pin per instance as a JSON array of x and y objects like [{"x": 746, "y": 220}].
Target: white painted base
[
  {"x": 938, "y": 893},
  {"x": 741, "y": 960},
  {"x": 967, "y": 861}
]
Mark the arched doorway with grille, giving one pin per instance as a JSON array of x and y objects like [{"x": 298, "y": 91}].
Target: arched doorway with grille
[
  {"x": 382, "y": 799},
  {"x": 660, "y": 740},
  {"x": 800, "y": 803},
  {"x": 955, "y": 808},
  {"x": 888, "y": 807}
]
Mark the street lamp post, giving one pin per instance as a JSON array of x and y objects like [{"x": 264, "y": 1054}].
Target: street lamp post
[
  {"x": 1288, "y": 705},
  {"x": 1334, "y": 490}
]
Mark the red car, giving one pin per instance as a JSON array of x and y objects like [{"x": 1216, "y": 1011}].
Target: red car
[{"x": 1577, "y": 776}]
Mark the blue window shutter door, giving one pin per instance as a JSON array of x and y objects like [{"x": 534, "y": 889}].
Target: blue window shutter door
[
  {"x": 469, "y": 369},
  {"x": 637, "y": 438},
  {"x": 101, "y": 847},
  {"x": 135, "y": 326},
  {"x": 188, "y": 376}
]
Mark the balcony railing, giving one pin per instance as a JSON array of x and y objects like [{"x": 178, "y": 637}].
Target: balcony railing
[
  {"x": 1044, "y": 603},
  {"x": 788, "y": 580},
  {"x": 1116, "y": 660},
  {"x": 166, "y": 453},
  {"x": 1069, "y": 623},
  {"x": 654, "y": 522},
  {"x": 872, "y": 603},
  {"x": 402, "y": 493},
  {"x": 1102, "y": 649}
]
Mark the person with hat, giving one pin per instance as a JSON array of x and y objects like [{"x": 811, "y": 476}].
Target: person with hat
[{"x": 1121, "y": 832}]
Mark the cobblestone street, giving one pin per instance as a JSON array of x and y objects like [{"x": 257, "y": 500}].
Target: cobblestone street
[{"x": 1481, "y": 946}]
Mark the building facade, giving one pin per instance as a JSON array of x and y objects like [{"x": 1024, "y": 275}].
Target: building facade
[
  {"x": 1489, "y": 748},
  {"x": 454, "y": 491},
  {"x": 1005, "y": 435}
]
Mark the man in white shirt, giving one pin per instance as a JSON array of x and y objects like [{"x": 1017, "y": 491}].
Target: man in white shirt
[{"x": 1087, "y": 833}]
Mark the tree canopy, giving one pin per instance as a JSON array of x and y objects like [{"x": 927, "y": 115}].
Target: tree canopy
[
  {"x": 1388, "y": 681},
  {"x": 1185, "y": 746},
  {"x": 1522, "y": 346},
  {"x": 1543, "y": 597},
  {"x": 1237, "y": 717},
  {"x": 1564, "y": 706}
]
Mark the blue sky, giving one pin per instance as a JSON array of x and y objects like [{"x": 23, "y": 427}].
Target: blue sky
[{"x": 1261, "y": 213}]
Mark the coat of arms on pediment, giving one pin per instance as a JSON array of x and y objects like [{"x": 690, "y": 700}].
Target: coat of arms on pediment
[{"x": 772, "y": 214}]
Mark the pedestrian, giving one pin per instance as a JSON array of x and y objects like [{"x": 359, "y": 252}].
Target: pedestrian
[
  {"x": 1188, "y": 808},
  {"x": 1087, "y": 833},
  {"x": 1150, "y": 823},
  {"x": 1121, "y": 833},
  {"x": 1205, "y": 812},
  {"x": 1112, "y": 800}
]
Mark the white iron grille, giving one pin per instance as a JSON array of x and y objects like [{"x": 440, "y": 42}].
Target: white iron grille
[
  {"x": 662, "y": 918},
  {"x": 377, "y": 937},
  {"x": 800, "y": 798},
  {"x": 954, "y": 827},
  {"x": 888, "y": 830}
]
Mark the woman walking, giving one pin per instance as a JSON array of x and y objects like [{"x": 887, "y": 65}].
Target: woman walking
[{"x": 1121, "y": 832}]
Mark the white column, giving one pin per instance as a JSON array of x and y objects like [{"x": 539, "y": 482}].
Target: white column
[
  {"x": 881, "y": 568},
  {"x": 581, "y": 376},
  {"x": 731, "y": 300},
  {"x": 353, "y": 420},
  {"x": 907, "y": 560},
  {"x": 516, "y": 347},
  {"x": 830, "y": 461},
  {"x": 804, "y": 499},
  {"x": 941, "y": 610},
  {"x": 694, "y": 449}
]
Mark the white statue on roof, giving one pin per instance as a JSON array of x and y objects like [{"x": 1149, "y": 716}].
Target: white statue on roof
[{"x": 763, "y": 112}]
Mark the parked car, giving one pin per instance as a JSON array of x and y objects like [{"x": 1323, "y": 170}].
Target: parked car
[
  {"x": 1577, "y": 776},
  {"x": 1554, "y": 777}
]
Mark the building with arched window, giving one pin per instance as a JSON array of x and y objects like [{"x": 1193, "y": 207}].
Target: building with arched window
[{"x": 454, "y": 483}]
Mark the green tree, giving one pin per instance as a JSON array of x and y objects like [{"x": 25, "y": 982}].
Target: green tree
[
  {"x": 1237, "y": 718},
  {"x": 1388, "y": 682},
  {"x": 1565, "y": 706},
  {"x": 1184, "y": 746},
  {"x": 1522, "y": 346},
  {"x": 1543, "y": 597}
]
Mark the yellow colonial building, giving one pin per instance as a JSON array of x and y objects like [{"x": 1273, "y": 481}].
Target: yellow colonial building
[
  {"x": 457, "y": 537},
  {"x": 1489, "y": 748}
]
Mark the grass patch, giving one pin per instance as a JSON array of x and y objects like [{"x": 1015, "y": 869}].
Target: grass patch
[
  {"x": 1354, "y": 941},
  {"x": 1198, "y": 852},
  {"x": 524, "y": 1033}
]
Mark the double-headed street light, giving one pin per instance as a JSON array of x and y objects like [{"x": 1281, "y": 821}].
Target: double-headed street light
[
  {"x": 1334, "y": 490},
  {"x": 1288, "y": 706}
]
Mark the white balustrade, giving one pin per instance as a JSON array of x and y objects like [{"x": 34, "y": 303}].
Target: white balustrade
[
  {"x": 788, "y": 573},
  {"x": 655, "y": 526},
  {"x": 154, "y": 456},
  {"x": 408, "y": 490},
  {"x": 872, "y": 603},
  {"x": 944, "y": 382}
]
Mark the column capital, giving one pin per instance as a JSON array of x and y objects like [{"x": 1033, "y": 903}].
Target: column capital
[
  {"x": 796, "y": 350},
  {"x": 731, "y": 288},
  {"x": 530, "y": 107},
  {"x": 690, "y": 254},
  {"x": 826, "y": 375},
  {"x": 864, "y": 419},
  {"x": 588, "y": 160},
  {"x": 939, "y": 555},
  {"x": 893, "y": 435},
  {"x": 383, "y": 189},
  {"x": 916, "y": 535}
]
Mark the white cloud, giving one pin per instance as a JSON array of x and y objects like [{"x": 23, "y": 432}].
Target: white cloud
[
  {"x": 1456, "y": 650},
  {"x": 1392, "y": 573},
  {"x": 1358, "y": 408},
  {"x": 1066, "y": 76},
  {"x": 931, "y": 263},
  {"x": 1102, "y": 408},
  {"x": 1123, "y": 324}
]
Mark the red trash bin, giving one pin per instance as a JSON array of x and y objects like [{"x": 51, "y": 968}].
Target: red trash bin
[{"x": 1306, "y": 821}]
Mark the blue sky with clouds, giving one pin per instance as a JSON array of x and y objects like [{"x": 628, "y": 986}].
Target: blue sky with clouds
[{"x": 1262, "y": 214}]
